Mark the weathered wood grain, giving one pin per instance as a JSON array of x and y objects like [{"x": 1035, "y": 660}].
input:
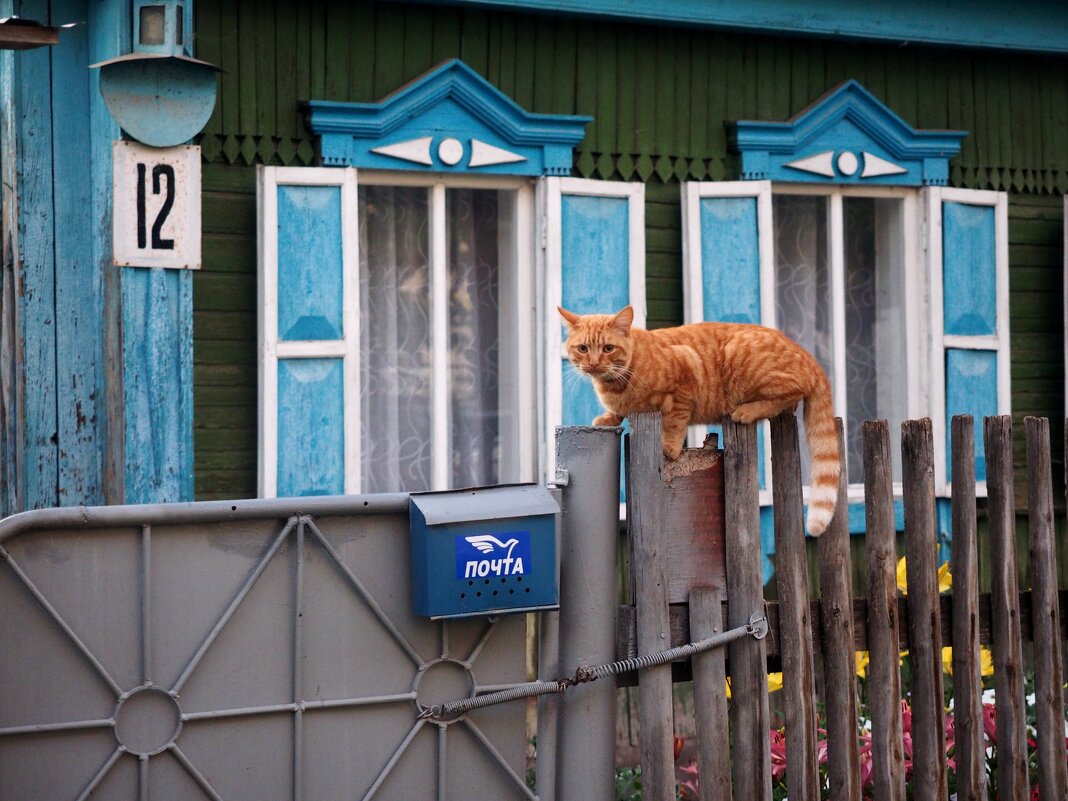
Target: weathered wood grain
[
  {"x": 967, "y": 683},
  {"x": 1008, "y": 641},
  {"x": 924, "y": 613},
  {"x": 795, "y": 627},
  {"x": 1045, "y": 614},
  {"x": 839, "y": 661},
  {"x": 710, "y": 700},
  {"x": 751, "y": 767},
  {"x": 883, "y": 621},
  {"x": 644, "y": 494}
]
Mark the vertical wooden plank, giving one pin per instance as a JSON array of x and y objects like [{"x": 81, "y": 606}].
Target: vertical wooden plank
[
  {"x": 967, "y": 683},
  {"x": 1045, "y": 614},
  {"x": 446, "y": 34},
  {"x": 607, "y": 92},
  {"x": 36, "y": 289},
  {"x": 710, "y": 701},
  {"x": 750, "y": 721},
  {"x": 627, "y": 114},
  {"x": 644, "y": 494},
  {"x": 1005, "y": 602},
  {"x": 1006, "y": 635},
  {"x": 286, "y": 71},
  {"x": 839, "y": 660},
  {"x": 229, "y": 60},
  {"x": 884, "y": 632},
  {"x": 418, "y": 41},
  {"x": 247, "y": 30},
  {"x": 795, "y": 628},
  {"x": 388, "y": 23},
  {"x": 924, "y": 615},
  {"x": 11, "y": 380},
  {"x": 79, "y": 291},
  {"x": 338, "y": 52}
]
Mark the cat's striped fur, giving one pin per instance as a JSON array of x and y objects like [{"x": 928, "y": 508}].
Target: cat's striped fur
[{"x": 704, "y": 373}]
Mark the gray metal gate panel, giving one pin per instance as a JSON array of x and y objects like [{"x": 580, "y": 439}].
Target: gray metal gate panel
[{"x": 247, "y": 650}]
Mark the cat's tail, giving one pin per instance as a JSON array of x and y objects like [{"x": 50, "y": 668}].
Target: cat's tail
[{"x": 826, "y": 463}]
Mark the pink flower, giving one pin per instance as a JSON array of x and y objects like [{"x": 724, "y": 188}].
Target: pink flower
[{"x": 990, "y": 725}]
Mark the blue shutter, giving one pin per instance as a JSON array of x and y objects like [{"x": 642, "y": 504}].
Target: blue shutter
[
  {"x": 308, "y": 390},
  {"x": 595, "y": 263},
  {"x": 972, "y": 275}
]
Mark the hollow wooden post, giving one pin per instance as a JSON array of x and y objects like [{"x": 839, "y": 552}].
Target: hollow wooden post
[
  {"x": 967, "y": 682},
  {"x": 1045, "y": 615},
  {"x": 750, "y": 718},
  {"x": 795, "y": 629},
  {"x": 839, "y": 655},
  {"x": 710, "y": 700},
  {"x": 644, "y": 501},
  {"x": 924, "y": 615},
  {"x": 884, "y": 632},
  {"x": 1005, "y": 602}
]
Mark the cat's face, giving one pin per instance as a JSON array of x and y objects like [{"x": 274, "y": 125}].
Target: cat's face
[{"x": 599, "y": 345}]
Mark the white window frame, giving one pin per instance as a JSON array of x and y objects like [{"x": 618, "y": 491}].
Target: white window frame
[
  {"x": 551, "y": 236},
  {"x": 999, "y": 342},
  {"x": 517, "y": 388}
]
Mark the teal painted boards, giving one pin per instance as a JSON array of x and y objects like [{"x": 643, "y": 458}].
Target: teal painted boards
[
  {"x": 309, "y": 263},
  {"x": 969, "y": 269},
  {"x": 157, "y": 308},
  {"x": 595, "y": 267},
  {"x": 596, "y": 275},
  {"x": 311, "y": 427},
  {"x": 971, "y": 388},
  {"x": 730, "y": 259}
]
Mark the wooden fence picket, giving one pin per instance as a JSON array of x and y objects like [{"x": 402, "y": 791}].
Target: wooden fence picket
[
  {"x": 750, "y": 719},
  {"x": 924, "y": 611},
  {"x": 1005, "y": 600},
  {"x": 884, "y": 632},
  {"x": 795, "y": 629},
  {"x": 967, "y": 682},
  {"x": 839, "y": 659},
  {"x": 1045, "y": 615}
]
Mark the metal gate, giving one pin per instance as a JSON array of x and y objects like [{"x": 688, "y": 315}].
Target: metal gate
[{"x": 246, "y": 650}]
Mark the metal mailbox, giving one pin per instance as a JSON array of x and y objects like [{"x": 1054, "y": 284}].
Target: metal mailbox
[{"x": 484, "y": 551}]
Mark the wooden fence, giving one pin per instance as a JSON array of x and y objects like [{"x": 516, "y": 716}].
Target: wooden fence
[{"x": 696, "y": 569}]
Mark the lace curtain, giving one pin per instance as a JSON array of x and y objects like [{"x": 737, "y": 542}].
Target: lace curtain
[
  {"x": 395, "y": 337},
  {"x": 874, "y": 324}
]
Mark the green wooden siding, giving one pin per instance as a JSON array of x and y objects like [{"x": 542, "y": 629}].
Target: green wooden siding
[{"x": 659, "y": 97}]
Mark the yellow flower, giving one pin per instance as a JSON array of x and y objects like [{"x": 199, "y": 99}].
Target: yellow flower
[
  {"x": 945, "y": 578},
  {"x": 862, "y": 659},
  {"x": 986, "y": 661},
  {"x": 774, "y": 683}
]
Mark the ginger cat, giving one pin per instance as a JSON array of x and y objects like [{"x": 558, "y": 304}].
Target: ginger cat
[{"x": 703, "y": 373}]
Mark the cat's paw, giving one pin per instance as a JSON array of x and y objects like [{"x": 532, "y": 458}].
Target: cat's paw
[
  {"x": 607, "y": 419},
  {"x": 672, "y": 451}
]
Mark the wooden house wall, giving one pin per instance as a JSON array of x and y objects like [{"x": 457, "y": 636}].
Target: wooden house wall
[{"x": 659, "y": 97}]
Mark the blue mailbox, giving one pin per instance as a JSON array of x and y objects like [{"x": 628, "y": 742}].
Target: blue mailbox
[{"x": 484, "y": 551}]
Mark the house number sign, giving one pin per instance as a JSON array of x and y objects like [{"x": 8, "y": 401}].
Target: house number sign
[{"x": 156, "y": 221}]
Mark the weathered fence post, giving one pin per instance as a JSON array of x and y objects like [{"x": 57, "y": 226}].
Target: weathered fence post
[
  {"x": 585, "y": 747},
  {"x": 1045, "y": 615},
  {"x": 645, "y": 491},
  {"x": 795, "y": 629},
  {"x": 751, "y": 767},
  {"x": 884, "y": 632},
  {"x": 967, "y": 682},
  {"x": 924, "y": 614},
  {"x": 1005, "y": 602},
  {"x": 710, "y": 701},
  {"x": 839, "y": 657}
]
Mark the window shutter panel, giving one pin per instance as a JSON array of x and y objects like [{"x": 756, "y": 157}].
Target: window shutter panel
[
  {"x": 968, "y": 252},
  {"x": 308, "y": 333},
  {"x": 594, "y": 237},
  {"x": 727, "y": 265}
]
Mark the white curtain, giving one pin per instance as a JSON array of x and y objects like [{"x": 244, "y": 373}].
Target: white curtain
[{"x": 395, "y": 337}]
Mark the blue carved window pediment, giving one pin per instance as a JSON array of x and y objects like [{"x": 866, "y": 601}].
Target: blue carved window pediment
[
  {"x": 846, "y": 137},
  {"x": 450, "y": 119}
]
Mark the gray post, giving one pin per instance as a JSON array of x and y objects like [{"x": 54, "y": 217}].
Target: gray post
[{"x": 585, "y": 747}]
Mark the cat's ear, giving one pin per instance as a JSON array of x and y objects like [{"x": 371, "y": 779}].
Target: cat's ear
[
  {"x": 570, "y": 318},
  {"x": 624, "y": 320}
]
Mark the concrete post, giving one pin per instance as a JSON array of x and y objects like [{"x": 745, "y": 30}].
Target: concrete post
[{"x": 585, "y": 746}]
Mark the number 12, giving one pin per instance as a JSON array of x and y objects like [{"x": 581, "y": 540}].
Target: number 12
[{"x": 158, "y": 242}]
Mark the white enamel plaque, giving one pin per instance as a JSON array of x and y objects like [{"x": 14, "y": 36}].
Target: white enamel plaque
[{"x": 156, "y": 221}]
